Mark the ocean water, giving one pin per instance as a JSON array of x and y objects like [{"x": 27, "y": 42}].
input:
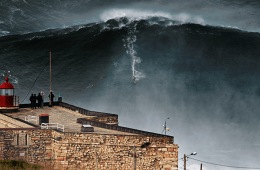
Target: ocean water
[{"x": 195, "y": 62}]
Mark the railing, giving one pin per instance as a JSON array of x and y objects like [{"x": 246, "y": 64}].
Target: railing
[
  {"x": 16, "y": 101},
  {"x": 45, "y": 104},
  {"x": 74, "y": 108},
  {"x": 85, "y": 111},
  {"x": 31, "y": 118},
  {"x": 52, "y": 126}
]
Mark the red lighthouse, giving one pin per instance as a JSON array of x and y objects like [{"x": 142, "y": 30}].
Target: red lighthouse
[{"x": 7, "y": 99}]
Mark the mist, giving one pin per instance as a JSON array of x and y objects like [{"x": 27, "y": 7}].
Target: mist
[{"x": 219, "y": 125}]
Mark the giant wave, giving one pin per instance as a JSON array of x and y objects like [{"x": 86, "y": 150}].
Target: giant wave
[{"x": 199, "y": 50}]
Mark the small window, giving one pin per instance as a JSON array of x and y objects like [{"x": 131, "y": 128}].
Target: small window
[
  {"x": 21, "y": 140},
  {"x": 7, "y": 92}
]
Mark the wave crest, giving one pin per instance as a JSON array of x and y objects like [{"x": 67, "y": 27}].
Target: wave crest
[{"x": 133, "y": 14}]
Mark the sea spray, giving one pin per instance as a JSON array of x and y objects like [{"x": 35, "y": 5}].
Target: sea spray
[{"x": 129, "y": 43}]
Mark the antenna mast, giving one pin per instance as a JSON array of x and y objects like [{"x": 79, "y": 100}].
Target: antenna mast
[{"x": 165, "y": 128}]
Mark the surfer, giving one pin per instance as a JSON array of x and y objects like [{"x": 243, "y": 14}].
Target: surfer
[{"x": 134, "y": 79}]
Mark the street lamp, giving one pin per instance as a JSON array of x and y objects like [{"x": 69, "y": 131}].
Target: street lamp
[
  {"x": 165, "y": 127},
  {"x": 186, "y": 156}
]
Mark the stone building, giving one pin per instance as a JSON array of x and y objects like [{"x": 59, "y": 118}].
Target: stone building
[{"x": 68, "y": 137}]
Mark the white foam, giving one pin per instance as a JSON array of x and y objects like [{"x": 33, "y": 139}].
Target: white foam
[
  {"x": 130, "y": 50},
  {"x": 131, "y": 14},
  {"x": 187, "y": 18},
  {"x": 135, "y": 14},
  {"x": 4, "y": 32}
]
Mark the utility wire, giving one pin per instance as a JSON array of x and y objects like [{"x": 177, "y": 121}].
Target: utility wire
[
  {"x": 162, "y": 131},
  {"x": 183, "y": 158},
  {"x": 229, "y": 166},
  {"x": 35, "y": 81}
]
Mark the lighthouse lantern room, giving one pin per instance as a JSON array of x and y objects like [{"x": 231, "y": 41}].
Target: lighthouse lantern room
[{"x": 8, "y": 101}]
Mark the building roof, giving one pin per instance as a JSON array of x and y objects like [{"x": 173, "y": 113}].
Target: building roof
[{"x": 73, "y": 118}]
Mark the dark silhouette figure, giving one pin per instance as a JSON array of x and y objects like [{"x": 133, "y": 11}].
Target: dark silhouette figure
[
  {"x": 51, "y": 96},
  {"x": 31, "y": 100},
  {"x": 40, "y": 100},
  {"x": 42, "y": 94},
  {"x": 34, "y": 101}
]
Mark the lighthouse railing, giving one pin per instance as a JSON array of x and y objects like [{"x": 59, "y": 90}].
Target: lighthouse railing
[{"x": 16, "y": 101}]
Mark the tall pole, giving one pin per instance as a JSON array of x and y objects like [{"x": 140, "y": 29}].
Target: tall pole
[
  {"x": 165, "y": 128},
  {"x": 50, "y": 80},
  {"x": 184, "y": 159},
  {"x": 201, "y": 166}
]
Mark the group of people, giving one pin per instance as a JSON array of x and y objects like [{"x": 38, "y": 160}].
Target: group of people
[{"x": 38, "y": 101}]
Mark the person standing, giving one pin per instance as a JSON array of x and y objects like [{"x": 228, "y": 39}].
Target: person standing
[
  {"x": 42, "y": 94},
  {"x": 31, "y": 100},
  {"x": 34, "y": 101},
  {"x": 39, "y": 99},
  {"x": 51, "y": 96}
]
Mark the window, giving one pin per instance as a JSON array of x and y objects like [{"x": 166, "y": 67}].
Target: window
[
  {"x": 6, "y": 92},
  {"x": 21, "y": 140}
]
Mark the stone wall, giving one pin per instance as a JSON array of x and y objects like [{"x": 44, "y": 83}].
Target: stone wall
[
  {"x": 92, "y": 115},
  {"x": 88, "y": 151},
  {"x": 31, "y": 145},
  {"x": 108, "y": 119}
]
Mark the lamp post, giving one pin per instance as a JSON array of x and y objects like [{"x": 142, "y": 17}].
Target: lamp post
[
  {"x": 50, "y": 96},
  {"x": 185, "y": 157},
  {"x": 165, "y": 127}
]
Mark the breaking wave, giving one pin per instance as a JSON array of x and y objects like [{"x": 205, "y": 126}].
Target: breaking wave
[
  {"x": 142, "y": 49},
  {"x": 132, "y": 14}
]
